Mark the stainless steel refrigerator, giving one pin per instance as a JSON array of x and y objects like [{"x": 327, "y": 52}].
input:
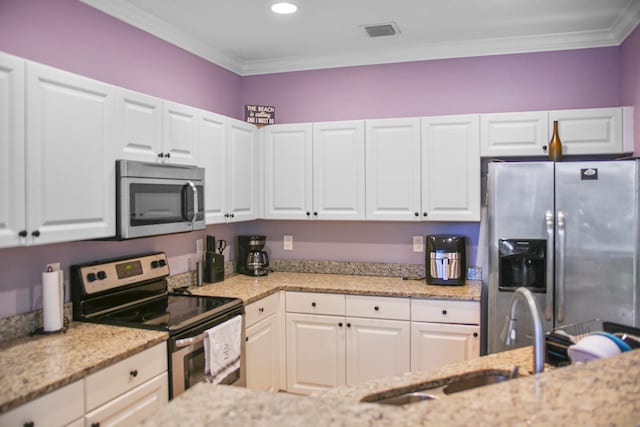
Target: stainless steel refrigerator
[{"x": 569, "y": 232}]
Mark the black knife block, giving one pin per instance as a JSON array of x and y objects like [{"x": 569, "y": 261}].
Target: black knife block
[{"x": 213, "y": 267}]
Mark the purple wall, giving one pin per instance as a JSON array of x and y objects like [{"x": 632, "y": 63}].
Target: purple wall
[
  {"x": 630, "y": 80},
  {"x": 75, "y": 37},
  {"x": 537, "y": 81},
  {"x": 70, "y": 35}
]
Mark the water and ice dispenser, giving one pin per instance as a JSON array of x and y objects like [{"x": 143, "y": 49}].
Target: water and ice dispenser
[{"x": 522, "y": 263}]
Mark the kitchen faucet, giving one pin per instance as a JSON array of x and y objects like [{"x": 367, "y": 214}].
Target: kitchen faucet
[{"x": 538, "y": 344}]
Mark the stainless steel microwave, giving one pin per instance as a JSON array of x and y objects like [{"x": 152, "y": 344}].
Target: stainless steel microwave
[{"x": 154, "y": 199}]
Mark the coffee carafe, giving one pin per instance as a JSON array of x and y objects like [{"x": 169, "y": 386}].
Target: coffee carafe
[{"x": 251, "y": 258}]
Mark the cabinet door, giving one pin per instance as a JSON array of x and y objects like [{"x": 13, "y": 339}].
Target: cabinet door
[
  {"x": 451, "y": 168},
  {"x": 514, "y": 134},
  {"x": 180, "y": 127},
  {"x": 263, "y": 355},
  {"x": 315, "y": 352},
  {"x": 12, "y": 151},
  {"x": 393, "y": 169},
  {"x": 133, "y": 406},
  {"x": 589, "y": 131},
  {"x": 70, "y": 161},
  {"x": 212, "y": 155},
  {"x": 242, "y": 171},
  {"x": 338, "y": 170},
  {"x": 287, "y": 171},
  {"x": 376, "y": 349},
  {"x": 139, "y": 126},
  {"x": 437, "y": 344}
]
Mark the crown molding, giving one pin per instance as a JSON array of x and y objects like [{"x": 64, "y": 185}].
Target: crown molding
[{"x": 619, "y": 31}]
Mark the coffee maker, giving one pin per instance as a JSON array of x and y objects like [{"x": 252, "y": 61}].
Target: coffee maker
[
  {"x": 251, "y": 258},
  {"x": 446, "y": 261}
]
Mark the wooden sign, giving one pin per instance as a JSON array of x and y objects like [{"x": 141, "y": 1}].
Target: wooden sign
[{"x": 260, "y": 114}]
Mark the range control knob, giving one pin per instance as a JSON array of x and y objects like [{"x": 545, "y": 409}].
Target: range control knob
[
  {"x": 162, "y": 263},
  {"x": 154, "y": 264},
  {"x": 102, "y": 275},
  {"x": 91, "y": 277}
]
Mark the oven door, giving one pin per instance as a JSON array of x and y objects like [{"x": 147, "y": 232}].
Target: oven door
[
  {"x": 187, "y": 361},
  {"x": 150, "y": 206}
]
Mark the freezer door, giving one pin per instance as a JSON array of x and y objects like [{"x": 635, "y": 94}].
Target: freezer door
[
  {"x": 520, "y": 196},
  {"x": 596, "y": 250}
]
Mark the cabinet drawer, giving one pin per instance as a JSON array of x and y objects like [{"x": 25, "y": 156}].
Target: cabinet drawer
[
  {"x": 314, "y": 303},
  {"x": 57, "y": 408},
  {"x": 445, "y": 311},
  {"x": 117, "y": 379},
  {"x": 378, "y": 307},
  {"x": 261, "y": 309}
]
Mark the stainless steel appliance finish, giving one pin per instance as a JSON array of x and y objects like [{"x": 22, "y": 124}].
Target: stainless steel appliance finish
[
  {"x": 445, "y": 260},
  {"x": 154, "y": 199},
  {"x": 587, "y": 215},
  {"x": 132, "y": 292}
]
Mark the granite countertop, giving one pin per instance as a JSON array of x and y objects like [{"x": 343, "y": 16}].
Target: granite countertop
[
  {"x": 251, "y": 289},
  {"x": 33, "y": 366},
  {"x": 600, "y": 393}
]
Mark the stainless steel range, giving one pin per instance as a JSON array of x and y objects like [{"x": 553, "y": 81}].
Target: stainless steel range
[{"x": 133, "y": 292}]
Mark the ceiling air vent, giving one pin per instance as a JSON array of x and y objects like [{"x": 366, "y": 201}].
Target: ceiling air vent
[{"x": 382, "y": 30}]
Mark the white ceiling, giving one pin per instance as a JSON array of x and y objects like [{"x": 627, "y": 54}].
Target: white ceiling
[{"x": 246, "y": 38}]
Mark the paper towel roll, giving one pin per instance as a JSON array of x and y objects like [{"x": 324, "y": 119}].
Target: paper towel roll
[{"x": 52, "y": 300}]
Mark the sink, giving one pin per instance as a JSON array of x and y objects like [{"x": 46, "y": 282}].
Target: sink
[{"x": 440, "y": 388}]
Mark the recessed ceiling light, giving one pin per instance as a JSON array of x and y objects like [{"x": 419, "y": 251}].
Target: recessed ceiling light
[{"x": 284, "y": 7}]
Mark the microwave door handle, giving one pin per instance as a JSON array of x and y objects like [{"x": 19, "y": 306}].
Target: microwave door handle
[
  {"x": 548, "y": 312},
  {"x": 190, "y": 185},
  {"x": 195, "y": 200}
]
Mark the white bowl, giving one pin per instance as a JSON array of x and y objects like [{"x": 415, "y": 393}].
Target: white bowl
[{"x": 592, "y": 347}]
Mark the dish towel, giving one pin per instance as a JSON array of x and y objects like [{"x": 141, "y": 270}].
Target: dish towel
[{"x": 222, "y": 351}]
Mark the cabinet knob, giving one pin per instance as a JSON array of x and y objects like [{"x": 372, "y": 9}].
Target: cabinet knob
[
  {"x": 161, "y": 155},
  {"x": 313, "y": 304},
  {"x": 475, "y": 334},
  {"x": 444, "y": 311},
  {"x": 416, "y": 214},
  {"x": 340, "y": 324},
  {"x": 96, "y": 424},
  {"x": 226, "y": 215},
  {"x": 246, "y": 339},
  {"x": 232, "y": 215},
  {"x": 167, "y": 155},
  {"x": 35, "y": 233},
  {"x": 376, "y": 308},
  {"x": 29, "y": 424},
  {"x": 22, "y": 233},
  {"x": 261, "y": 310},
  {"x": 544, "y": 148},
  {"x": 348, "y": 325},
  {"x": 315, "y": 214},
  {"x": 308, "y": 213},
  {"x": 424, "y": 214},
  {"x": 133, "y": 373}
]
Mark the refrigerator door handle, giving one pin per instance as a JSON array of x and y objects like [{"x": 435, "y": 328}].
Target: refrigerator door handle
[
  {"x": 548, "y": 312},
  {"x": 561, "y": 246}
]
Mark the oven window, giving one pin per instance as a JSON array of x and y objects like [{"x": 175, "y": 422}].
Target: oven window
[
  {"x": 194, "y": 367},
  {"x": 162, "y": 203}
]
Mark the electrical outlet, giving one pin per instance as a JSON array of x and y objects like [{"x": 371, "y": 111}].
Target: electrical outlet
[
  {"x": 199, "y": 246},
  {"x": 474, "y": 273},
  {"x": 288, "y": 243},
  {"x": 418, "y": 244},
  {"x": 55, "y": 266}
]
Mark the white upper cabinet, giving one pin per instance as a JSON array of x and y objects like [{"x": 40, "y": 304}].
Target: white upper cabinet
[
  {"x": 514, "y": 134},
  {"x": 180, "y": 130},
  {"x": 139, "y": 126},
  {"x": 589, "y": 131},
  {"x": 451, "y": 168},
  {"x": 339, "y": 170},
  {"x": 212, "y": 155},
  {"x": 12, "y": 152},
  {"x": 393, "y": 169},
  {"x": 70, "y": 158},
  {"x": 242, "y": 171},
  {"x": 287, "y": 171}
]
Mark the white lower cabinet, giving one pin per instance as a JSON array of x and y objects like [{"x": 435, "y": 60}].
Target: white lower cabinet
[
  {"x": 128, "y": 391},
  {"x": 334, "y": 340},
  {"x": 62, "y": 407},
  {"x": 264, "y": 345},
  {"x": 443, "y": 331}
]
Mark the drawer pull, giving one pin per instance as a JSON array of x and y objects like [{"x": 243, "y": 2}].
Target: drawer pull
[
  {"x": 261, "y": 310},
  {"x": 444, "y": 312},
  {"x": 133, "y": 373},
  {"x": 313, "y": 304},
  {"x": 376, "y": 308},
  {"x": 29, "y": 424},
  {"x": 340, "y": 324},
  {"x": 96, "y": 424},
  {"x": 348, "y": 325},
  {"x": 475, "y": 334}
]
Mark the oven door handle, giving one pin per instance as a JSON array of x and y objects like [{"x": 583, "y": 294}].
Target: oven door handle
[{"x": 185, "y": 342}]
